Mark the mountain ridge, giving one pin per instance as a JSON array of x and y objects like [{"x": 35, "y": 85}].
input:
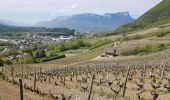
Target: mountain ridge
[
  {"x": 156, "y": 16},
  {"x": 89, "y": 22}
]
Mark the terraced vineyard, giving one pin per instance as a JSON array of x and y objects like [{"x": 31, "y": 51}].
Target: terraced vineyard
[{"x": 140, "y": 78}]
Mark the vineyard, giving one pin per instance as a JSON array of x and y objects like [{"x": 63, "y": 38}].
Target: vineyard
[{"x": 144, "y": 78}]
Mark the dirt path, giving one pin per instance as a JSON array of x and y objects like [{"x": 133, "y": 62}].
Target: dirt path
[{"x": 11, "y": 92}]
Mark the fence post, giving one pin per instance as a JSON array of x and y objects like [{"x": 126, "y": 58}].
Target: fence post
[
  {"x": 21, "y": 89},
  {"x": 91, "y": 87},
  {"x": 35, "y": 79},
  {"x": 124, "y": 88},
  {"x": 162, "y": 73},
  {"x": 2, "y": 70},
  {"x": 22, "y": 73},
  {"x": 12, "y": 74},
  {"x": 27, "y": 71}
]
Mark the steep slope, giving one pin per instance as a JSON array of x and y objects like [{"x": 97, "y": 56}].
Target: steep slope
[
  {"x": 89, "y": 22},
  {"x": 158, "y": 15}
]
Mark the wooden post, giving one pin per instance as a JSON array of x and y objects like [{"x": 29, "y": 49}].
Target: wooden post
[
  {"x": 40, "y": 71},
  {"x": 12, "y": 74},
  {"x": 64, "y": 81},
  {"x": 143, "y": 72},
  {"x": 22, "y": 68},
  {"x": 2, "y": 70},
  {"x": 27, "y": 71},
  {"x": 91, "y": 87},
  {"x": 124, "y": 88},
  {"x": 162, "y": 73},
  {"x": 35, "y": 79},
  {"x": 21, "y": 89}
]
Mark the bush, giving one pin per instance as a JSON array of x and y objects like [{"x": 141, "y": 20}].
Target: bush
[
  {"x": 162, "y": 34},
  {"x": 27, "y": 60},
  {"x": 73, "y": 44},
  {"x": 13, "y": 52},
  {"x": 45, "y": 59},
  {"x": 100, "y": 43},
  {"x": 5, "y": 44},
  {"x": 6, "y": 61},
  {"x": 39, "y": 54},
  {"x": 1, "y": 62},
  {"x": 135, "y": 37},
  {"x": 147, "y": 49}
]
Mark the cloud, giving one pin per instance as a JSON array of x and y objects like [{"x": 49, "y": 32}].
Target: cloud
[
  {"x": 54, "y": 14},
  {"x": 74, "y": 6},
  {"x": 63, "y": 10}
]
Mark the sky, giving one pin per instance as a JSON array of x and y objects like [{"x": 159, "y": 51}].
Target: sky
[{"x": 33, "y": 11}]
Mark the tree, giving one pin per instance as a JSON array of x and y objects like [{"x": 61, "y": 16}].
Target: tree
[{"x": 1, "y": 62}]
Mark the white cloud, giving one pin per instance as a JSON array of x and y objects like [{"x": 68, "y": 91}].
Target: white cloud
[
  {"x": 74, "y": 6},
  {"x": 63, "y": 10}
]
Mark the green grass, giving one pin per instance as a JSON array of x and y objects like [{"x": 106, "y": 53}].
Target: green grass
[
  {"x": 78, "y": 51},
  {"x": 90, "y": 54}
]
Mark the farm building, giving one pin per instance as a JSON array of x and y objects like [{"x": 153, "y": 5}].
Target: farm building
[{"x": 109, "y": 52}]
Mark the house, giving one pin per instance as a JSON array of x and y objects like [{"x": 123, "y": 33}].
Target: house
[
  {"x": 65, "y": 38},
  {"x": 111, "y": 52},
  {"x": 12, "y": 57}
]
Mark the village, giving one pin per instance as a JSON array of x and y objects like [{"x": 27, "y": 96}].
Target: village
[
  {"x": 29, "y": 40},
  {"x": 37, "y": 44}
]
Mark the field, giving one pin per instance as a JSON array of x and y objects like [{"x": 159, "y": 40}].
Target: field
[
  {"x": 85, "y": 75},
  {"x": 150, "y": 72}
]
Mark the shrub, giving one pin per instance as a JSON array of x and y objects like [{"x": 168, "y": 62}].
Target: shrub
[
  {"x": 146, "y": 49},
  {"x": 27, "y": 60},
  {"x": 162, "y": 34},
  {"x": 100, "y": 43},
  {"x": 45, "y": 59},
  {"x": 5, "y": 61},
  {"x": 1, "y": 62},
  {"x": 135, "y": 37},
  {"x": 13, "y": 52}
]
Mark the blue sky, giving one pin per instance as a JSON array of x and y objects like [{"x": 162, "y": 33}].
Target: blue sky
[{"x": 33, "y": 11}]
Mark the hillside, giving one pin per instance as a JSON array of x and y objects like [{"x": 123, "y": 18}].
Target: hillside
[
  {"x": 158, "y": 15},
  {"x": 89, "y": 22},
  {"x": 8, "y": 28},
  {"x": 11, "y": 23}
]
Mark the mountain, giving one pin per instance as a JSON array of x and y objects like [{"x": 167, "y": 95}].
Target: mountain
[
  {"x": 9, "y": 28},
  {"x": 11, "y": 23},
  {"x": 158, "y": 15},
  {"x": 89, "y": 22},
  {"x": 2, "y": 22}
]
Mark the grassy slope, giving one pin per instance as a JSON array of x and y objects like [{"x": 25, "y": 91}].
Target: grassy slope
[
  {"x": 158, "y": 15},
  {"x": 81, "y": 57}
]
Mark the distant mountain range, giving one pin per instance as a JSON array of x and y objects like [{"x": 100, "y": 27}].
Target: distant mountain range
[
  {"x": 11, "y": 23},
  {"x": 89, "y": 22},
  {"x": 157, "y": 16}
]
